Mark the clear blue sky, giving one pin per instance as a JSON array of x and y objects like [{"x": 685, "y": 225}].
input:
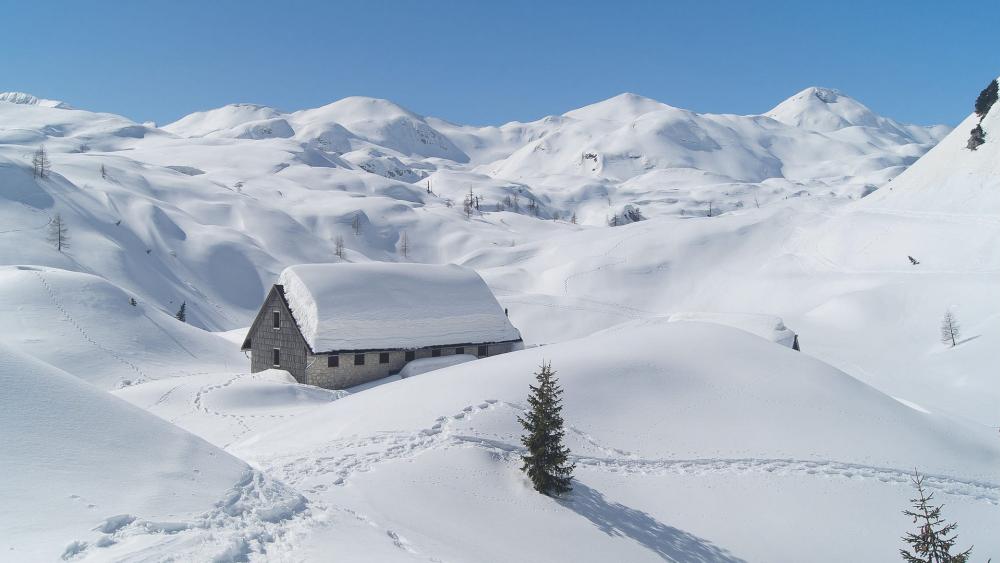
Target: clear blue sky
[{"x": 488, "y": 62}]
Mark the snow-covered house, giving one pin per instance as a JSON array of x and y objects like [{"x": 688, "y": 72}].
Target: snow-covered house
[{"x": 339, "y": 325}]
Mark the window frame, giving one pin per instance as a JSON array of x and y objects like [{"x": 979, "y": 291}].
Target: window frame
[
  {"x": 459, "y": 350},
  {"x": 410, "y": 355},
  {"x": 436, "y": 353},
  {"x": 483, "y": 351},
  {"x": 333, "y": 361},
  {"x": 383, "y": 358},
  {"x": 276, "y": 357},
  {"x": 276, "y": 319},
  {"x": 359, "y": 359}
]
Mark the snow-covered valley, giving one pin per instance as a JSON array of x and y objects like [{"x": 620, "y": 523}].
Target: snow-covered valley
[{"x": 661, "y": 259}]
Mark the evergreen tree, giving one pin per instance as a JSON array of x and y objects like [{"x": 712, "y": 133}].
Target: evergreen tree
[
  {"x": 59, "y": 233},
  {"x": 546, "y": 460},
  {"x": 40, "y": 162},
  {"x": 339, "y": 246},
  {"x": 934, "y": 540},
  {"x": 132, "y": 301},
  {"x": 949, "y": 329},
  {"x": 986, "y": 99},
  {"x": 976, "y": 138},
  {"x": 182, "y": 312}
]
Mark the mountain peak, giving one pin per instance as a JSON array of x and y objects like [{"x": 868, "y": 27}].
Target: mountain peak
[
  {"x": 826, "y": 110},
  {"x": 623, "y": 107},
  {"x": 25, "y": 99}
]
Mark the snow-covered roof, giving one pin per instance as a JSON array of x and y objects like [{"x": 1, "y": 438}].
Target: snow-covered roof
[{"x": 382, "y": 305}]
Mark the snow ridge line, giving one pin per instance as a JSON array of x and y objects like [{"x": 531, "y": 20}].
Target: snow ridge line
[{"x": 80, "y": 329}]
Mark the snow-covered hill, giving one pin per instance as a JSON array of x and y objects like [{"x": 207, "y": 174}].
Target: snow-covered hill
[
  {"x": 679, "y": 430},
  {"x": 84, "y": 325},
  {"x": 85, "y": 472},
  {"x": 208, "y": 210}
]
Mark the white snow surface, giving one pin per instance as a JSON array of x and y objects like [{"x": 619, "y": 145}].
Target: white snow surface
[
  {"x": 680, "y": 424},
  {"x": 769, "y": 327},
  {"x": 85, "y": 471},
  {"x": 668, "y": 424},
  {"x": 424, "y": 365},
  {"x": 388, "y": 306}
]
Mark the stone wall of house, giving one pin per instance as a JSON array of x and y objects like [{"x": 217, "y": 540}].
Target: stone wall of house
[
  {"x": 264, "y": 338},
  {"x": 349, "y": 373}
]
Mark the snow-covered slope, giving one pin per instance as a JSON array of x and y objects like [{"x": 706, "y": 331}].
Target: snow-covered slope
[
  {"x": 680, "y": 428},
  {"x": 828, "y": 111},
  {"x": 28, "y": 99},
  {"x": 85, "y": 325},
  {"x": 85, "y": 472},
  {"x": 205, "y": 210},
  {"x": 664, "y": 421}
]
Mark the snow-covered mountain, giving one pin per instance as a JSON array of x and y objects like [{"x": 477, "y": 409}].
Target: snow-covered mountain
[
  {"x": 686, "y": 409},
  {"x": 204, "y": 210}
]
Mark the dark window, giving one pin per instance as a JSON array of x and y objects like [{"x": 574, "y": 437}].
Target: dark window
[
  {"x": 277, "y": 357},
  {"x": 483, "y": 351},
  {"x": 333, "y": 361},
  {"x": 383, "y": 358},
  {"x": 460, "y": 350},
  {"x": 410, "y": 356},
  {"x": 276, "y": 319},
  {"x": 359, "y": 359},
  {"x": 435, "y": 352}
]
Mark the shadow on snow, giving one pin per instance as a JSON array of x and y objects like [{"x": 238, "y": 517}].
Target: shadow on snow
[{"x": 616, "y": 519}]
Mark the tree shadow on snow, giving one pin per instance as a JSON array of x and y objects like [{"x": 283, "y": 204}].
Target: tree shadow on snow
[
  {"x": 616, "y": 519},
  {"x": 969, "y": 339}
]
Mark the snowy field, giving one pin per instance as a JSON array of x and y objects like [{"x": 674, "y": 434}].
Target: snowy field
[{"x": 697, "y": 432}]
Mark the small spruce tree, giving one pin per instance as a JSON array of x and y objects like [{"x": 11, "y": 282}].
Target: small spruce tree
[
  {"x": 986, "y": 99},
  {"x": 950, "y": 332},
  {"x": 132, "y": 301},
  {"x": 934, "y": 539},
  {"x": 339, "y": 246},
  {"x": 182, "y": 312},
  {"x": 977, "y": 137},
  {"x": 546, "y": 461}
]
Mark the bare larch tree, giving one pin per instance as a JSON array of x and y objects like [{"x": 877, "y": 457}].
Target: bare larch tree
[
  {"x": 949, "y": 329},
  {"x": 59, "y": 233}
]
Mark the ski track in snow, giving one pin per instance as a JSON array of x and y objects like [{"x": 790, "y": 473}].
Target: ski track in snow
[
  {"x": 200, "y": 405},
  {"x": 342, "y": 459},
  {"x": 345, "y": 458},
  {"x": 58, "y": 305},
  {"x": 48, "y": 221},
  {"x": 607, "y": 253}
]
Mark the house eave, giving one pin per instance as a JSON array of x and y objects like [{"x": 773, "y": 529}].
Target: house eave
[{"x": 448, "y": 345}]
